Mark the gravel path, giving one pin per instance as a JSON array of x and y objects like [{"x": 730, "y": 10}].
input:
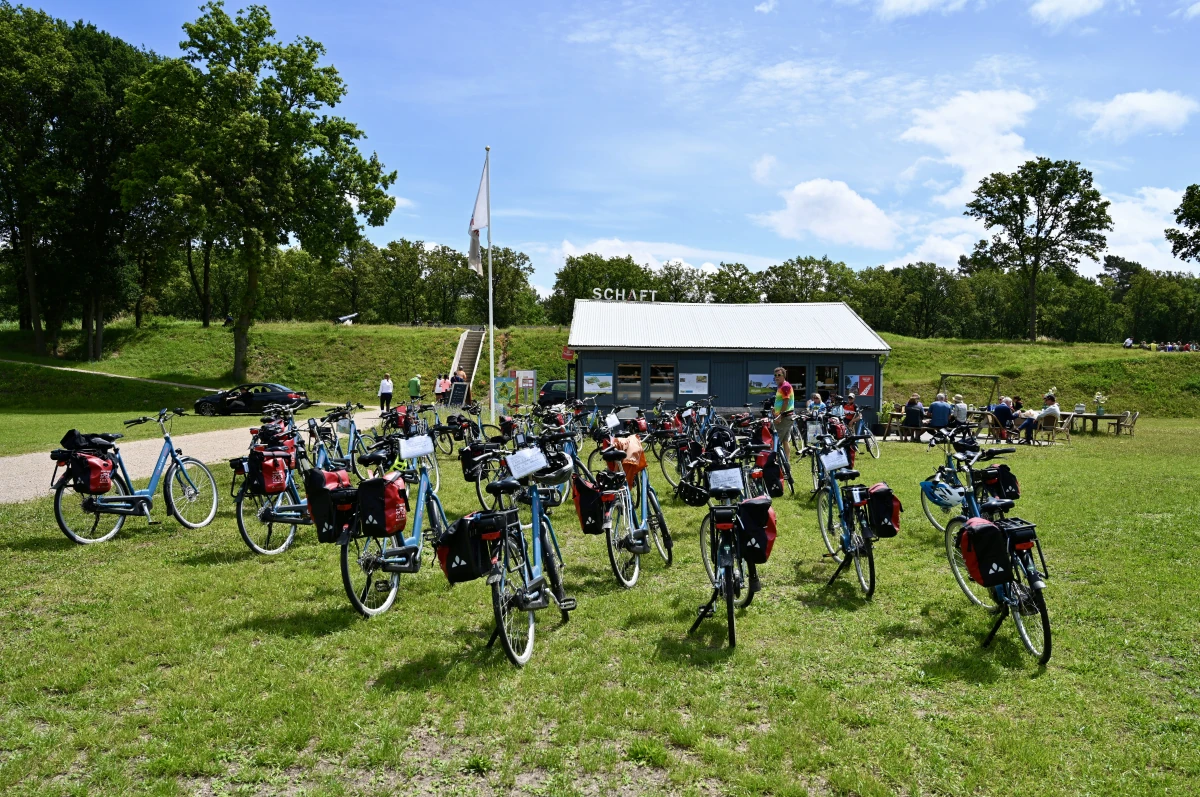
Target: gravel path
[{"x": 27, "y": 476}]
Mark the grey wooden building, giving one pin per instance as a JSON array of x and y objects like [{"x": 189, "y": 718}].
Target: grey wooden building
[{"x": 638, "y": 352}]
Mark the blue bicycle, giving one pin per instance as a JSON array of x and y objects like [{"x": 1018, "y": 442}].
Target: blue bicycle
[
  {"x": 842, "y": 514},
  {"x": 190, "y": 490}
]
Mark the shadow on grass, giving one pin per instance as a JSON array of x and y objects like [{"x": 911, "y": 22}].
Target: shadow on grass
[
  {"x": 594, "y": 580},
  {"x": 307, "y": 623},
  {"x": 435, "y": 668},
  {"x": 32, "y": 544},
  {"x": 218, "y": 558},
  {"x": 705, "y": 648},
  {"x": 644, "y": 618}
]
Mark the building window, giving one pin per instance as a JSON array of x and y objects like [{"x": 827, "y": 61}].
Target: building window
[
  {"x": 629, "y": 383},
  {"x": 662, "y": 382},
  {"x": 828, "y": 380}
]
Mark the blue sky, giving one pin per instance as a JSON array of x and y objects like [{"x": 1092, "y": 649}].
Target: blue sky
[{"x": 751, "y": 131}]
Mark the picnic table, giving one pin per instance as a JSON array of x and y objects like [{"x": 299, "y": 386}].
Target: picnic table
[{"x": 1095, "y": 418}]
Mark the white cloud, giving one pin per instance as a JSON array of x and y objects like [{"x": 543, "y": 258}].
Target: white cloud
[
  {"x": 543, "y": 291},
  {"x": 656, "y": 253},
  {"x": 402, "y": 203},
  {"x": 1192, "y": 11},
  {"x": 944, "y": 240},
  {"x": 892, "y": 9},
  {"x": 1137, "y": 112},
  {"x": 766, "y": 7},
  {"x": 831, "y": 211},
  {"x": 974, "y": 131},
  {"x": 1138, "y": 224},
  {"x": 762, "y": 169},
  {"x": 1057, "y": 13}
]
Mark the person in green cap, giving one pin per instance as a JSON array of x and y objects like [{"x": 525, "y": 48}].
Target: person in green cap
[{"x": 414, "y": 387}]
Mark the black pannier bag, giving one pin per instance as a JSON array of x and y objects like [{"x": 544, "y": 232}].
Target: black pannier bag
[
  {"x": 984, "y": 549},
  {"x": 756, "y": 529},
  {"x": 472, "y": 458},
  {"x": 589, "y": 505},
  {"x": 91, "y": 474},
  {"x": 883, "y": 510},
  {"x": 382, "y": 506},
  {"x": 331, "y": 502},
  {"x": 1001, "y": 482},
  {"x": 465, "y": 551},
  {"x": 773, "y": 475}
]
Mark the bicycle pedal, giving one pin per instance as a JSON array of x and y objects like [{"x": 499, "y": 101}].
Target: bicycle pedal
[
  {"x": 567, "y": 604},
  {"x": 383, "y": 586},
  {"x": 706, "y": 611}
]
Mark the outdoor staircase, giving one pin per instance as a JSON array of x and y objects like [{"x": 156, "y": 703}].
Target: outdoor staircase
[{"x": 470, "y": 347}]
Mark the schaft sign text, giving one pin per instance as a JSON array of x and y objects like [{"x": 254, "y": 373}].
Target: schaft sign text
[{"x": 622, "y": 295}]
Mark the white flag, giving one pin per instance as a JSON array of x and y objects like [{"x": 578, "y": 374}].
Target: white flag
[{"x": 479, "y": 220}]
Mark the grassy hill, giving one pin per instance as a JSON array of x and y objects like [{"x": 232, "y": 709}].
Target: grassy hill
[{"x": 339, "y": 363}]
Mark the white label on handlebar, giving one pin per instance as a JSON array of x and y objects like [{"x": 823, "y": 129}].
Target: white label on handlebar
[
  {"x": 612, "y": 421},
  {"x": 525, "y": 461},
  {"x": 835, "y": 459},
  {"x": 725, "y": 479},
  {"x": 418, "y": 446},
  {"x": 702, "y": 411}
]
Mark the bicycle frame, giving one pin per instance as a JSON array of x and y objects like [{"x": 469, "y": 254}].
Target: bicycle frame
[
  {"x": 951, "y": 470},
  {"x": 141, "y": 501},
  {"x": 425, "y": 496},
  {"x": 534, "y": 571}
]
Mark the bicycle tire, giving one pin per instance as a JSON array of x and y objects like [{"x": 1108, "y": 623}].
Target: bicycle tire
[
  {"x": 435, "y": 472},
  {"x": 492, "y": 434},
  {"x": 977, "y": 594},
  {"x": 817, "y": 481},
  {"x": 354, "y": 452},
  {"x": 626, "y": 565},
  {"x": 198, "y": 473},
  {"x": 64, "y": 501},
  {"x": 864, "y": 549},
  {"x": 872, "y": 444},
  {"x": 707, "y": 547},
  {"x": 939, "y": 516},
  {"x": 746, "y": 597},
  {"x": 669, "y": 464},
  {"x": 595, "y": 461},
  {"x": 659, "y": 531},
  {"x": 1031, "y": 603},
  {"x": 786, "y": 467},
  {"x": 505, "y": 611},
  {"x": 445, "y": 443},
  {"x": 491, "y": 471},
  {"x": 730, "y": 605},
  {"x": 356, "y": 554},
  {"x": 257, "y": 502},
  {"x": 828, "y": 525},
  {"x": 553, "y": 573}
]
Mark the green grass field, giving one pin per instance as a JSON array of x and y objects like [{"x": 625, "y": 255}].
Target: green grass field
[{"x": 169, "y": 661}]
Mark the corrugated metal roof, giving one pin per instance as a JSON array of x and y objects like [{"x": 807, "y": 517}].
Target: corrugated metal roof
[{"x": 816, "y": 326}]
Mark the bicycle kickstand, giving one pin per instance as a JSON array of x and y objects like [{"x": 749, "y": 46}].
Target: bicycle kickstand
[
  {"x": 705, "y": 611},
  {"x": 838, "y": 572},
  {"x": 1000, "y": 617},
  {"x": 495, "y": 636}
]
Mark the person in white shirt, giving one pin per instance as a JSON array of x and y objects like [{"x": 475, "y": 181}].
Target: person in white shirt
[
  {"x": 959, "y": 409},
  {"x": 1031, "y": 424},
  {"x": 385, "y": 393}
]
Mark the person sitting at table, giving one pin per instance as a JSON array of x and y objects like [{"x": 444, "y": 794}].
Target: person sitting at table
[
  {"x": 1004, "y": 416},
  {"x": 939, "y": 412},
  {"x": 959, "y": 409},
  {"x": 1031, "y": 425},
  {"x": 914, "y": 419},
  {"x": 815, "y": 404}
]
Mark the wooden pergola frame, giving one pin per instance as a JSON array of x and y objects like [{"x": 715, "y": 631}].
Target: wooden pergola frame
[{"x": 991, "y": 394}]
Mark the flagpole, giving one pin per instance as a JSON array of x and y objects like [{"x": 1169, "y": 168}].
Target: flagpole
[{"x": 491, "y": 323}]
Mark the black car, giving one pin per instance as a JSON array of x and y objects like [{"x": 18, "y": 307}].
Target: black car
[
  {"x": 554, "y": 392},
  {"x": 249, "y": 399}
]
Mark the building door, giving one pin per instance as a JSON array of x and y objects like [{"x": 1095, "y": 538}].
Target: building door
[
  {"x": 729, "y": 382},
  {"x": 828, "y": 381},
  {"x": 797, "y": 375}
]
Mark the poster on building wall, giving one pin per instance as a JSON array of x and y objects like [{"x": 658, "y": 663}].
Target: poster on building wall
[
  {"x": 860, "y": 384},
  {"x": 693, "y": 384},
  {"x": 597, "y": 383},
  {"x": 762, "y": 384}
]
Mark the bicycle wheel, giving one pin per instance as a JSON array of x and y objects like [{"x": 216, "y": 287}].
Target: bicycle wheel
[
  {"x": 816, "y": 472},
  {"x": 707, "y": 548},
  {"x": 259, "y": 534},
  {"x": 491, "y": 471},
  {"x": 872, "y": 444},
  {"x": 864, "y": 563},
  {"x": 729, "y": 605},
  {"x": 513, "y": 626},
  {"x": 827, "y": 522},
  {"x": 1030, "y": 616},
  {"x": 939, "y": 516},
  {"x": 435, "y": 473},
  {"x": 554, "y": 573},
  {"x": 746, "y": 596},
  {"x": 976, "y": 593},
  {"x": 354, "y": 452},
  {"x": 445, "y": 443},
  {"x": 626, "y": 565},
  {"x": 191, "y": 493},
  {"x": 370, "y": 590},
  {"x": 658, "y": 530},
  {"x": 79, "y": 520},
  {"x": 669, "y": 462},
  {"x": 492, "y": 434},
  {"x": 786, "y": 467},
  {"x": 595, "y": 461}
]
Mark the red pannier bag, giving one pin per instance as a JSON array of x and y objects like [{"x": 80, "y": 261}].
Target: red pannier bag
[
  {"x": 984, "y": 549},
  {"x": 883, "y": 510},
  {"x": 382, "y": 506},
  {"x": 756, "y": 529},
  {"x": 268, "y": 470},
  {"x": 92, "y": 474},
  {"x": 330, "y": 502}
]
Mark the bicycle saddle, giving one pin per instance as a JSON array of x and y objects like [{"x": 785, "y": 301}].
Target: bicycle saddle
[
  {"x": 997, "y": 505},
  {"x": 375, "y": 457},
  {"x": 613, "y": 455},
  {"x": 503, "y": 487},
  {"x": 845, "y": 475},
  {"x": 555, "y": 437},
  {"x": 108, "y": 436},
  {"x": 722, "y": 493}
]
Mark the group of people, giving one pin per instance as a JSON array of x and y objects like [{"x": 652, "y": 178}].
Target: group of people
[
  {"x": 441, "y": 388},
  {"x": 785, "y": 405},
  {"x": 1010, "y": 413},
  {"x": 1168, "y": 346}
]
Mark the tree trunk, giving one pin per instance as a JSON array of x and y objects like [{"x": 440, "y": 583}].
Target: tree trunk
[
  {"x": 99, "y": 327},
  {"x": 143, "y": 283},
  {"x": 35, "y": 318},
  {"x": 88, "y": 302},
  {"x": 1033, "y": 305},
  {"x": 206, "y": 296},
  {"x": 241, "y": 329}
]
